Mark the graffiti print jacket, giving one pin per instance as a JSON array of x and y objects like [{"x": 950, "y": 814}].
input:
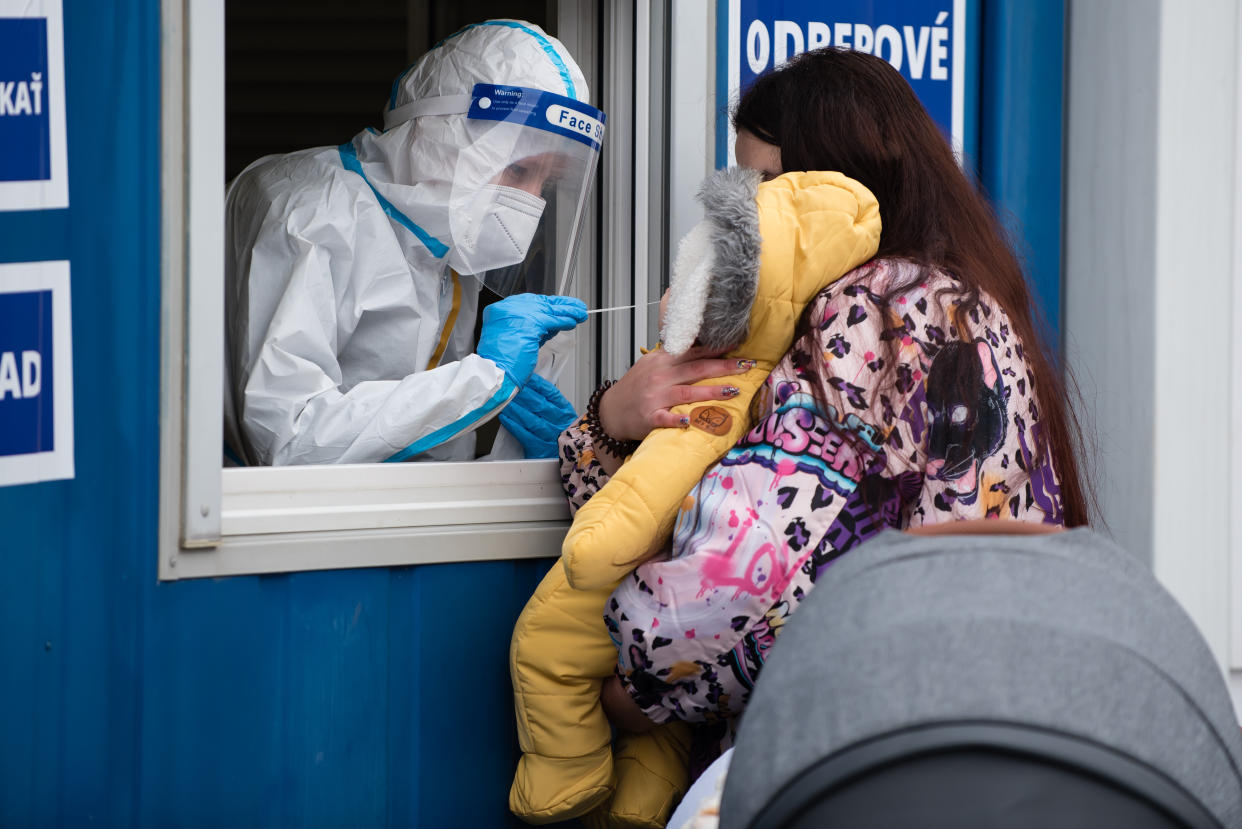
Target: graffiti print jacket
[{"x": 922, "y": 424}]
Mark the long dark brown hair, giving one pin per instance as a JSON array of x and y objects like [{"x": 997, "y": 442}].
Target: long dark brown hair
[{"x": 851, "y": 112}]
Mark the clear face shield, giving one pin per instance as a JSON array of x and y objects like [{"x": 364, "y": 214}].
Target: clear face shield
[{"x": 520, "y": 188}]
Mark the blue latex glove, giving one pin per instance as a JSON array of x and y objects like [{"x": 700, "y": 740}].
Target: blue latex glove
[
  {"x": 515, "y": 327},
  {"x": 536, "y": 416}
]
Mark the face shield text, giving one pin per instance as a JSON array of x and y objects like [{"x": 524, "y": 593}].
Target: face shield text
[{"x": 578, "y": 122}]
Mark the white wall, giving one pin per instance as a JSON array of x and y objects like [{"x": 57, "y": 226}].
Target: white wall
[{"x": 1150, "y": 267}]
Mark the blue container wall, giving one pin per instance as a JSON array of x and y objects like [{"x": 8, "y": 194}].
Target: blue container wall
[
  {"x": 77, "y": 556},
  {"x": 349, "y": 698},
  {"x": 1021, "y": 135},
  {"x": 361, "y": 698}
]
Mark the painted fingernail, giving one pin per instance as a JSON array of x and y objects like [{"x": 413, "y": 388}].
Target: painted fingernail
[
  {"x": 685, "y": 421},
  {"x": 732, "y": 391},
  {"x": 745, "y": 364}
]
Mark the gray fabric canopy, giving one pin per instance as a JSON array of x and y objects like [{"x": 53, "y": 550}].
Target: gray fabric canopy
[{"x": 1062, "y": 634}]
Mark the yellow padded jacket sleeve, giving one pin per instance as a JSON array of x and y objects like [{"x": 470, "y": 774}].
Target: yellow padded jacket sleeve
[{"x": 814, "y": 227}]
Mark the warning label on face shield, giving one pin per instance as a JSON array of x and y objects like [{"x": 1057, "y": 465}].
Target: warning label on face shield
[
  {"x": 36, "y": 390},
  {"x": 544, "y": 111}
]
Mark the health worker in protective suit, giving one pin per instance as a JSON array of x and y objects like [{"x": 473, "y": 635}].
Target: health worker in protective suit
[{"x": 354, "y": 272}]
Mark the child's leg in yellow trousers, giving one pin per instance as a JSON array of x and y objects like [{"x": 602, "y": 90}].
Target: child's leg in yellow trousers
[
  {"x": 559, "y": 656},
  {"x": 652, "y": 777}
]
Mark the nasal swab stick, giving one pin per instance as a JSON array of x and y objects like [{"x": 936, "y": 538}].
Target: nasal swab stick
[{"x": 619, "y": 308}]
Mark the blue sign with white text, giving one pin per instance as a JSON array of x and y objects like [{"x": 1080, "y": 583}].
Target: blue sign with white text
[
  {"x": 25, "y": 122},
  {"x": 26, "y": 372},
  {"x": 922, "y": 39}
]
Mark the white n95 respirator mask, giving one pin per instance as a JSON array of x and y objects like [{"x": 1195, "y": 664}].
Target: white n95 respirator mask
[{"x": 495, "y": 229}]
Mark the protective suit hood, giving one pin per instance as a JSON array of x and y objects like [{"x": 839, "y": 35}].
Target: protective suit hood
[{"x": 426, "y": 164}]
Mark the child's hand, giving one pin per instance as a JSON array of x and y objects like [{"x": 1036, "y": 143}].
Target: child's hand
[
  {"x": 620, "y": 708},
  {"x": 640, "y": 401}
]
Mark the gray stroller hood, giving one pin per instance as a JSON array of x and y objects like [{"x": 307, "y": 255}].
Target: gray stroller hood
[{"x": 988, "y": 681}]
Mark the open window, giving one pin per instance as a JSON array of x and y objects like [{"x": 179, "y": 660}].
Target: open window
[{"x": 253, "y": 78}]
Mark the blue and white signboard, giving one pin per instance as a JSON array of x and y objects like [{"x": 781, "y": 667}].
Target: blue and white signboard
[
  {"x": 36, "y": 373},
  {"x": 924, "y": 39},
  {"x": 34, "y": 170}
]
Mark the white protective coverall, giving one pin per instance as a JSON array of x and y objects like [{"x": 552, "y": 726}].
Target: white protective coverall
[{"x": 349, "y": 334}]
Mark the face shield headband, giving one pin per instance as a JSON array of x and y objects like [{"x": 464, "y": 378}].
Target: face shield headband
[{"x": 520, "y": 185}]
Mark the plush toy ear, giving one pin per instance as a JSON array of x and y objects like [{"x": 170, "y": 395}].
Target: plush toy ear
[{"x": 716, "y": 273}]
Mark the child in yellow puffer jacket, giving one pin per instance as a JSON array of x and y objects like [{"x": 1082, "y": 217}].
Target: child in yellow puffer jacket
[{"x": 741, "y": 281}]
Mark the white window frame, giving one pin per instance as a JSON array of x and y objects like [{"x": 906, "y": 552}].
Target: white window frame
[
  {"x": 221, "y": 522},
  {"x": 1234, "y": 563}
]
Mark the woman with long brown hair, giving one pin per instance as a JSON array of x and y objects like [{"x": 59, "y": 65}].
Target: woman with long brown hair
[
  {"x": 870, "y": 125},
  {"x": 851, "y": 112}
]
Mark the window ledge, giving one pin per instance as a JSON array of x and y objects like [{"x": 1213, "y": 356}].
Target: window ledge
[
  {"x": 385, "y": 496},
  {"x": 300, "y": 551},
  {"x": 283, "y": 519}
]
